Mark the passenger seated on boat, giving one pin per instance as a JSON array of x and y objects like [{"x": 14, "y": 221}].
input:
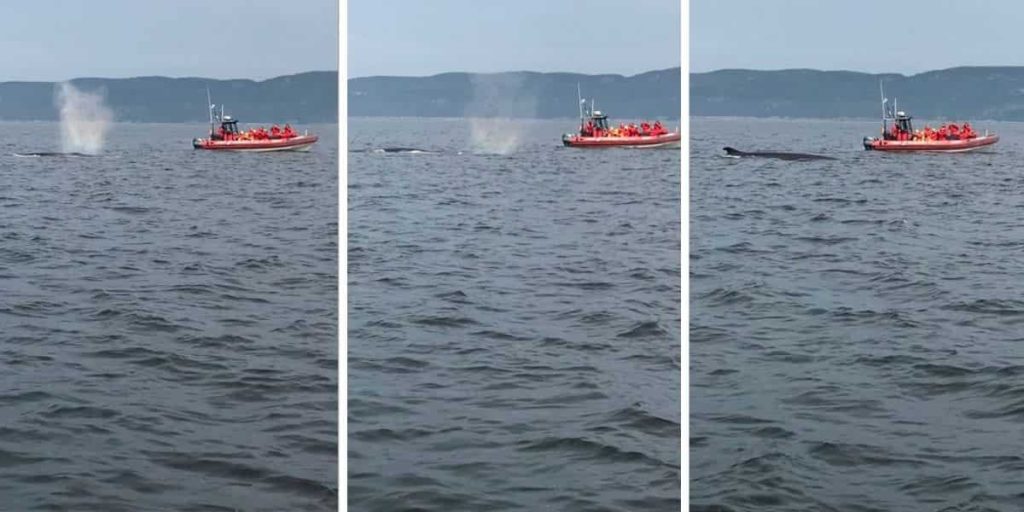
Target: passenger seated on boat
[
  {"x": 288, "y": 132},
  {"x": 588, "y": 129},
  {"x": 645, "y": 128},
  {"x": 275, "y": 132},
  {"x": 967, "y": 132}
]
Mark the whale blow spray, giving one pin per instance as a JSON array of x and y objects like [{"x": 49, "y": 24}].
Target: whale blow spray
[
  {"x": 497, "y": 99},
  {"x": 84, "y": 120}
]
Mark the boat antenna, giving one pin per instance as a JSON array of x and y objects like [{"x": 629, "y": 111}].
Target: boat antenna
[
  {"x": 210, "y": 109},
  {"x": 579, "y": 96},
  {"x": 881, "y": 92}
]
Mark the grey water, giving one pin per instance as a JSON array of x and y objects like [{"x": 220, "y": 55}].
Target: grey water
[
  {"x": 857, "y": 325},
  {"x": 514, "y": 316},
  {"x": 168, "y": 324}
]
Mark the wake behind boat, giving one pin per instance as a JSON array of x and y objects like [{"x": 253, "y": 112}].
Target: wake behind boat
[
  {"x": 902, "y": 137},
  {"x": 229, "y": 138},
  {"x": 595, "y": 132}
]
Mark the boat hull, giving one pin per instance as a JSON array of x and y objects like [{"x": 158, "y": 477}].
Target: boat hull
[
  {"x": 300, "y": 143},
  {"x": 667, "y": 140},
  {"x": 939, "y": 146}
]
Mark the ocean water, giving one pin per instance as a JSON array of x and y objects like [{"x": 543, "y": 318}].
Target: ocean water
[
  {"x": 168, "y": 324},
  {"x": 856, "y": 326},
  {"x": 514, "y": 313}
]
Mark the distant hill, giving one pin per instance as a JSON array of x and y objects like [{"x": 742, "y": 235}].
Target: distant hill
[
  {"x": 521, "y": 94},
  {"x": 303, "y": 98},
  {"x": 973, "y": 93}
]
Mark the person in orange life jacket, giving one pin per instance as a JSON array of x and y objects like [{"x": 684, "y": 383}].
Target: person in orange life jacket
[
  {"x": 288, "y": 132},
  {"x": 943, "y": 132},
  {"x": 954, "y": 131},
  {"x": 275, "y": 131},
  {"x": 644, "y": 128},
  {"x": 968, "y": 132}
]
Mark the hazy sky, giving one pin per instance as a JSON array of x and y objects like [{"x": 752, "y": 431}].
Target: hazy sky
[
  {"x": 866, "y": 35},
  {"x": 422, "y": 37},
  {"x": 59, "y": 39}
]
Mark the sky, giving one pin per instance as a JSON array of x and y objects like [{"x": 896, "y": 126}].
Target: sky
[
  {"x": 873, "y": 36},
  {"x": 423, "y": 37},
  {"x": 54, "y": 40}
]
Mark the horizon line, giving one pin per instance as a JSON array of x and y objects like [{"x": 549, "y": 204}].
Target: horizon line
[
  {"x": 516, "y": 71},
  {"x": 773, "y": 70},
  {"x": 172, "y": 77}
]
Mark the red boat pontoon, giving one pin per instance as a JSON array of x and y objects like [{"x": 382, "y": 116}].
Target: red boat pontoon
[
  {"x": 946, "y": 146},
  {"x": 229, "y": 138},
  {"x": 903, "y": 138},
  {"x": 597, "y": 134}
]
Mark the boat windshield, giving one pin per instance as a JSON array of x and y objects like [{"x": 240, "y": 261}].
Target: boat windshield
[{"x": 904, "y": 124}]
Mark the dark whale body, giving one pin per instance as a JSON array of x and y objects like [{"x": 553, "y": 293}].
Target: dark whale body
[
  {"x": 775, "y": 154},
  {"x": 396, "y": 149},
  {"x": 52, "y": 153}
]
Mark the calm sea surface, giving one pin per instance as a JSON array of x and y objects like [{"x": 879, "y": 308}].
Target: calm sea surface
[
  {"x": 168, "y": 325},
  {"x": 856, "y": 326},
  {"x": 513, "y": 320}
]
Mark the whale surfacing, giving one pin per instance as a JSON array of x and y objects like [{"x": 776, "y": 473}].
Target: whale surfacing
[
  {"x": 774, "y": 154},
  {"x": 392, "y": 149},
  {"x": 52, "y": 154}
]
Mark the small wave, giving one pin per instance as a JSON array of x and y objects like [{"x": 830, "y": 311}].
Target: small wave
[
  {"x": 130, "y": 209},
  {"x": 498, "y": 335},
  {"x": 83, "y": 411},
  {"x": 844, "y": 454},
  {"x": 588, "y": 450},
  {"x": 457, "y": 296},
  {"x": 636, "y": 418},
  {"x": 444, "y": 321},
  {"x": 385, "y": 435},
  {"x": 741, "y": 248},
  {"x": 726, "y": 297},
  {"x": 644, "y": 330},
  {"x": 825, "y": 240},
  {"x": 1003, "y": 307}
]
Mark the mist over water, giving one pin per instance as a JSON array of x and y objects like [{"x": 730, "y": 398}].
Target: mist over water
[
  {"x": 84, "y": 120},
  {"x": 499, "y": 136},
  {"x": 496, "y": 99}
]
